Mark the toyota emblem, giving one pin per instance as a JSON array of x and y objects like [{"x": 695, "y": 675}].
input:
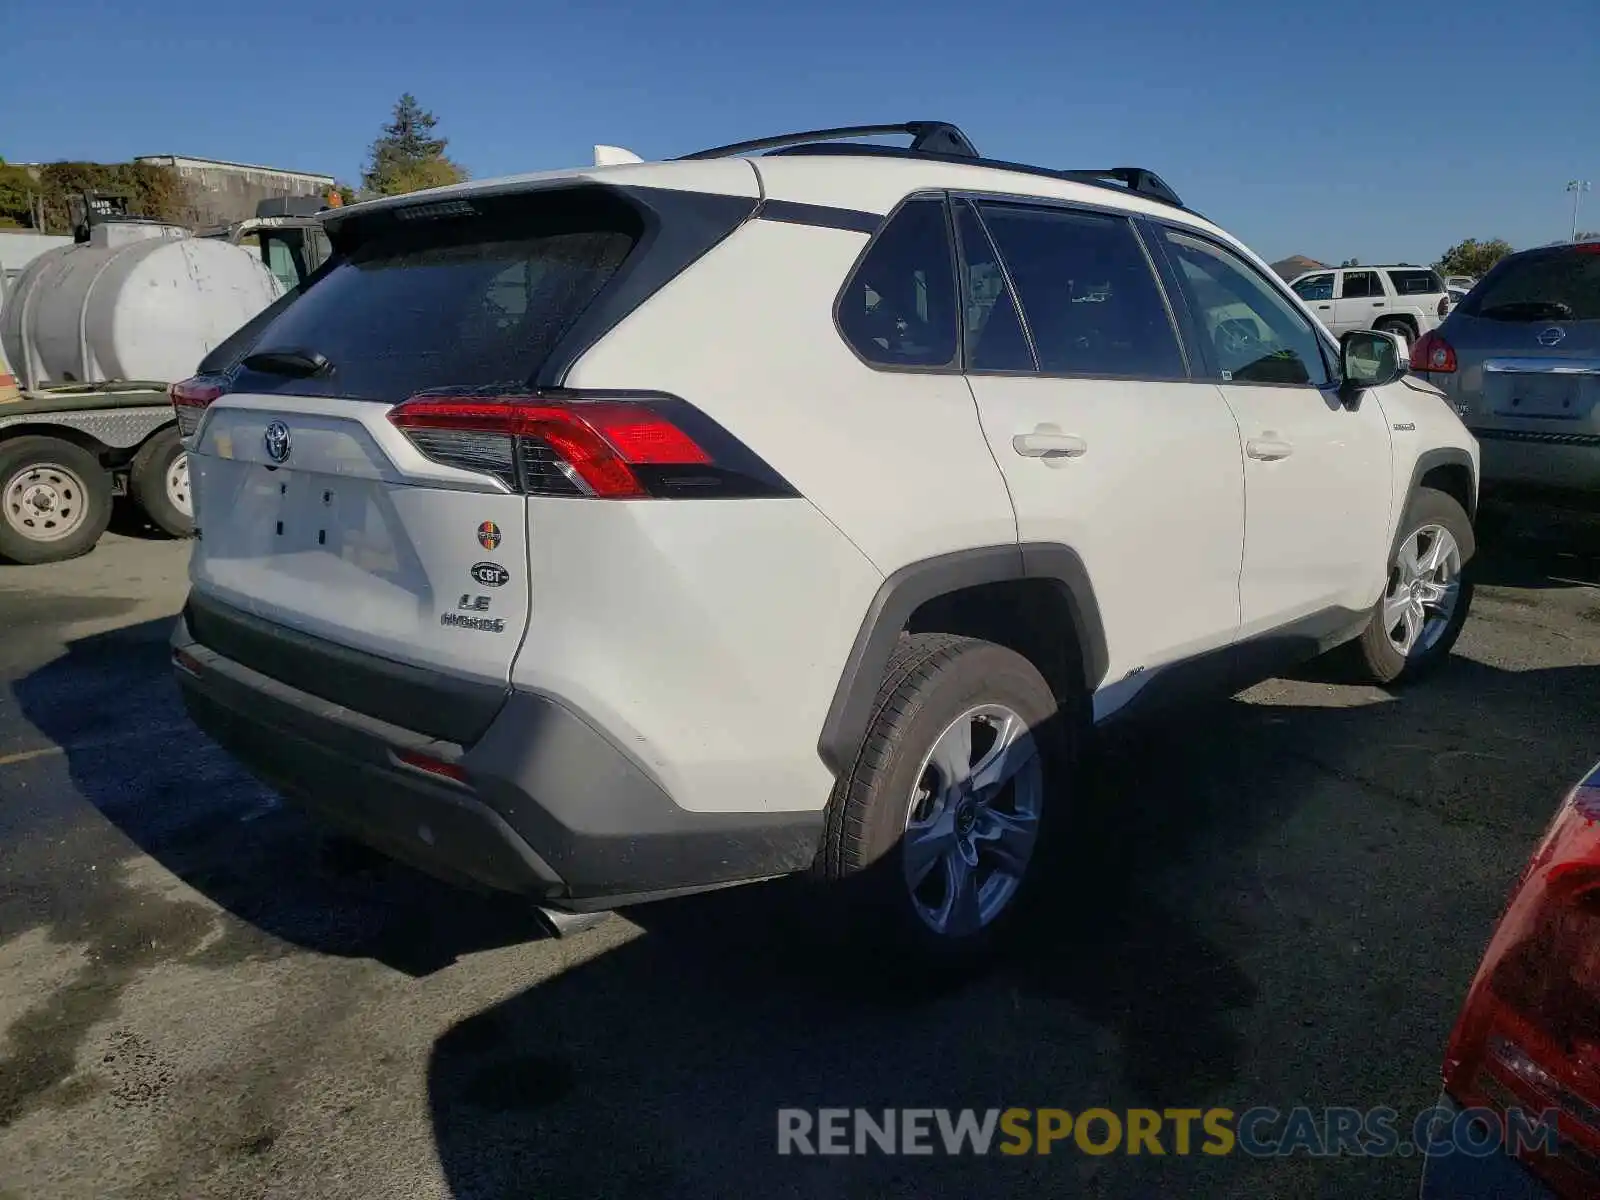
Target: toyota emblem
[
  {"x": 277, "y": 440},
  {"x": 1551, "y": 336}
]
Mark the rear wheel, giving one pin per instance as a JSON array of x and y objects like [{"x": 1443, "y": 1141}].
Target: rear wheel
[
  {"x": 1427, "y": 597},
  {"x": 939, "y": 829},
  {"x": 158, "y": 480},
  {"x": 1398, "y": 325},
  {"x": 55, "y": 500}
]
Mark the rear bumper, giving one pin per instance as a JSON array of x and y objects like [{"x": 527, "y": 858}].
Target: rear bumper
[
  {"x": 548, "y": 807},
  {"x": 1543, "y": 460}
]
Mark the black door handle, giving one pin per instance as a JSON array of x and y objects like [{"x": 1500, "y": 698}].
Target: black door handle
[{"x": 1377, "y": 304}]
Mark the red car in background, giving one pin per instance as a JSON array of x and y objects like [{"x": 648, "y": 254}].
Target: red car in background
[{"x": 1527, "y": 1041}]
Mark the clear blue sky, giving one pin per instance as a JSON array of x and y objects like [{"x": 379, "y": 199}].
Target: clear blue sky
[{"x": 1380, "y": 131}]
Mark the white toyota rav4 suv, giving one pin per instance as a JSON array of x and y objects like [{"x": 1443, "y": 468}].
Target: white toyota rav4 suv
[{"x": 606, "y": 534}]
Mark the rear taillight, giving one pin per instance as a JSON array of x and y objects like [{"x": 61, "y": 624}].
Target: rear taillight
[
  {"x": 1529, "y": 1035},
  {"x": 433, "y": 766},
  {"x": 602, "y": 445},
  {"x": 190, "y": 398},
  {"x": 1432, "y": 353},
  {"x": 1444, "y": 306}
]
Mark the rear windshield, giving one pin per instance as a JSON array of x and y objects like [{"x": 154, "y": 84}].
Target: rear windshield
[
  {"x": 1560, "y": 286},
  {"x": 470, "y": 301},
  {"x": 1416, "y": 283}
]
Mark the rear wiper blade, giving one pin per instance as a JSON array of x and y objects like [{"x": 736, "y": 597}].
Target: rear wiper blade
[
  {"x": 298, "y": 364},
  {"x": 1528, "y": 310}
]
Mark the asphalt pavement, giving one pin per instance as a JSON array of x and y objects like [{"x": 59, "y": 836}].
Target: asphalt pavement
[{"x": 202, "y": 997}]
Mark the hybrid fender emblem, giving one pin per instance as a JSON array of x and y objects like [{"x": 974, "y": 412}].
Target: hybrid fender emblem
[
  {"x": 488, "y": 534},
  {"x": 276, "y": 439}
]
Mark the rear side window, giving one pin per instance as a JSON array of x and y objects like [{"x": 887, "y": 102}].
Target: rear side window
[
  {"x": 1317, "y": 287},
  {"x": 470, "y": 301},
  {"x": 899, "y": 307},
  {"x": 1088, "y": 295},
  {"x": 993, "y": 332},
  {"x": 1359, "y": 285},
  {"x": 1560, "y": 286},
  {"x": 1416, "y": 283}
]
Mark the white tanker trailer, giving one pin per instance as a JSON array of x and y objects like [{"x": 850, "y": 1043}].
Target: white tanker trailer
[{"x": 95, "y": 332}]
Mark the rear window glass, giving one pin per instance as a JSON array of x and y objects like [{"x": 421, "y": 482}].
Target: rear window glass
[
  {"x": 455, "y": 301},
  {"x": 1416, "y": 283},
  {"x": 1564, "y": 286}
]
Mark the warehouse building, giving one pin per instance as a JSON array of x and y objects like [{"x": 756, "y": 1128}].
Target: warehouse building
[{"x": 225, "y": 192}]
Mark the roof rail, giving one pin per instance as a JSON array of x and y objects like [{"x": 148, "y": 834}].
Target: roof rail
[
  {"x": 1136, "y": 179},
  {"x": 927, "y": 137}
]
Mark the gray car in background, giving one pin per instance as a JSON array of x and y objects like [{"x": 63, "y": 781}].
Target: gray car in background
[{"x": 1520, "y": 361}]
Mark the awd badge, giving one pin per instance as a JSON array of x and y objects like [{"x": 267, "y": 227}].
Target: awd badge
[{"x": 488, "y": 535}]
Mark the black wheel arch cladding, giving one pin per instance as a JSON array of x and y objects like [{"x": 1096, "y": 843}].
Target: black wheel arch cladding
[{"x": 910, "y": 587}]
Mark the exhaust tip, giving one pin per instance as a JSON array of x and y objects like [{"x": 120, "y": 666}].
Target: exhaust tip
[{"x": 570, "y": 924}]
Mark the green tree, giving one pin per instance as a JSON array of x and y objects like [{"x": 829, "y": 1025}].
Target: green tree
[
  {"x": 407, "y": 157},
  {"x": 1472, "y": 257},
  {"x": 17, "y": 190}
]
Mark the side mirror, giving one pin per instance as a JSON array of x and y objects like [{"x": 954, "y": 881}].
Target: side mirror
[{"x": 1369, "y": 359}]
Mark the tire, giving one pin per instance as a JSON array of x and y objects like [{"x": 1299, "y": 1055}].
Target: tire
[
  {"x": 55, "y": 500},
  {"x": 936, "y": 683},
  {"x": 1376, "y": 656},
  {"x": 158, "y": 481},
  {"x": 1398, "y": 325}
]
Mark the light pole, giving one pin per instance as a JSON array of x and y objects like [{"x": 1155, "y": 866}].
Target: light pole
[{"x": 1577, "y": 187}]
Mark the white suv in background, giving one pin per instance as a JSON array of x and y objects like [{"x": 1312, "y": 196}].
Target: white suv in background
[
  {"x": 1407, "y": 300},
  {"x": 613, "y": 533}
]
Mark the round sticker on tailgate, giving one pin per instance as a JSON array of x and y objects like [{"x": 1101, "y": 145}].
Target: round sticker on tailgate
[
  {"x": 488, "y": 535},
  {"x": 491, "y": 574}
]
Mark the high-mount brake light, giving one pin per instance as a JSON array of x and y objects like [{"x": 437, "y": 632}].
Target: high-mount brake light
[
  {"x": 1432, "y": 353},
  {"x": 191, "y": 397},
  {"x": 606, "y": 446},
  {"x": 1529, "y": 1034}
]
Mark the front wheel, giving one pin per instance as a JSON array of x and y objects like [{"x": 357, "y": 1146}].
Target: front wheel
[
  {"x": 1427, "y": 596},
  {"x": 937, "y": 833},
  {"x": 55, "y": 500}
]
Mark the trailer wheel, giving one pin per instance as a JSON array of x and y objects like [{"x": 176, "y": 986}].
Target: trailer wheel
[
  {"x": 159, "y": 483},
  {"x": 55, "y": 500}
]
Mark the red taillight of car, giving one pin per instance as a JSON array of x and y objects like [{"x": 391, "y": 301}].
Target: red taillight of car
[
  {"x": 191, "y": 397},
  {"x": 1444, "y": 306},
  {"x": 432, "y": 766},
  {"x": 576, "y": 444},
  {"x": 1432, "y": 353},
  {"x": 1529, "y": 1034}
]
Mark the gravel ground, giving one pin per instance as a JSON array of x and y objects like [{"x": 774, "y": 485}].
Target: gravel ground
[{"x": 200, "y": 997}]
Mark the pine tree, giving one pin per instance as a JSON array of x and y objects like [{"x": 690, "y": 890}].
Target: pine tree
[{"x": 406, "y": 158}]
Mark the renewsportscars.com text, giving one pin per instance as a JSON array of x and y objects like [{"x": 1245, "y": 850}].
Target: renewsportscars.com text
[{"x": 1260, "y": 1132}]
